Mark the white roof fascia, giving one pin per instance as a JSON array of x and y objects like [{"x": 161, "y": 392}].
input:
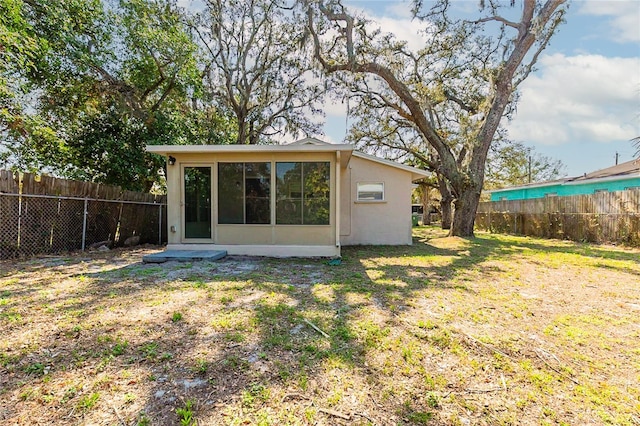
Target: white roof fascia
[
  {"x": 205, "y": 149},
  {"x": 416, "y": 173},
  {"x": 535, "y": 185},
  {"x": 309, "y": 141},
  {"x": 304, "y": 145}
]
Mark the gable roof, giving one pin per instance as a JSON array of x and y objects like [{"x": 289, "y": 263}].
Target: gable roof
[
  {"x": 309, "y": 141},
  {"x": 416, "y": 173}
]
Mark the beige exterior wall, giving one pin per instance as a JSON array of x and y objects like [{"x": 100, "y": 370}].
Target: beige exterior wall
[
  {"x": 359, "y": 222},
  {"x": 375, "y": 222},
  {"x": 321, "y": 237}
]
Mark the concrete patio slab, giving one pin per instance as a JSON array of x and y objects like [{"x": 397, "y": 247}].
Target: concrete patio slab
[{"x": 184, "y": 255}]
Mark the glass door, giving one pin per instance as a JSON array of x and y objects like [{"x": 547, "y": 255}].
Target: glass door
[{"x": 197, "y": 202}]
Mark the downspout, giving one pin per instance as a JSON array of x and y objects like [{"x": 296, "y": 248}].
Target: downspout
[{"x": 337, "y": 221}]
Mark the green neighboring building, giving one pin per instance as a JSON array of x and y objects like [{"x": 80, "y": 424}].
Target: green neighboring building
[{"x": 617, "y": 178}]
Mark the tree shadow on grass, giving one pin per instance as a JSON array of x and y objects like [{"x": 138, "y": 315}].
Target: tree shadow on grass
[
  {"x": 242, "y": 338},
  {"x": 625, "y": 260},
  {"x": 245, "y": 339},
  {"x": 486, "y": 246},
  {"x": 589, "y": 250},
  {"x": 284, "y": 329}
]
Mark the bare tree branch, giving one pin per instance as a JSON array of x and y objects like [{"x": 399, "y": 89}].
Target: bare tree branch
[{"x": 498, "y": 19}]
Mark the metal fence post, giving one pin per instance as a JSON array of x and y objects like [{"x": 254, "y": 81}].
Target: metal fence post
[
  {"x": 19, "y": 221},
  {"x": 84, "y": 223},
  {"x": 160, "y": 224}
]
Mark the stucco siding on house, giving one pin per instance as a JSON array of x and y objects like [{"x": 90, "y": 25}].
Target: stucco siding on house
[
  {"x": 299, "y": 199},
  {"x": 375, "y": 222},
  {"x": 245, "y": 234}
]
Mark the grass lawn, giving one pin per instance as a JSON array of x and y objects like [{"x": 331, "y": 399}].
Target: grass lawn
[{"x": 491, "y": 330}]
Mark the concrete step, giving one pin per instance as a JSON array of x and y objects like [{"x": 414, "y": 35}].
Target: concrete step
[{"x": 184, "y": 255}]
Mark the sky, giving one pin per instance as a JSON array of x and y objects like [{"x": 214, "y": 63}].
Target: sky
[{"x": 581, "y": 106}]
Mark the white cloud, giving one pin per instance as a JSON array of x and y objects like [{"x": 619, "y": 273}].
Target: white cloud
[
  {"x": 399, "y": 9},
  {"x": 409, "y": 30},
  {"x": 398, "y": 21},
  {"x": 583, "y": 98},
  {"x": 191, "y": 4},
  {"x": 624, "y": 17}
]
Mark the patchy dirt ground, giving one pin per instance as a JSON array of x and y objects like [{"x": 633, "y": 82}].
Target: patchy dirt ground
[{"x": 493, "y": 330}]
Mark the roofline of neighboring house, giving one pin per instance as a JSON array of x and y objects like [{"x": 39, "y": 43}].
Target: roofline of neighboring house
[
  {"x": 532, "y": 185},
  {"x": 603, "y": 179},
  {"x": 567, "y": 181},
  {"x": 579, "y": 180}
]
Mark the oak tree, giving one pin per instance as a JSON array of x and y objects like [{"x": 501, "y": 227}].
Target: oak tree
[
  {"x": 256, "y": 67},
  {"x": 108, "y": 78},
  {"x": 453, "y": 93}
]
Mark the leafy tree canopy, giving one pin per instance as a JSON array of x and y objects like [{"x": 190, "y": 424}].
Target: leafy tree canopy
[
  {"x": 107, "y": 79},
  {"x": 513, "y": 163},
  {"x": 256, "y": 67},
  {"x": 18, "y": 52}
]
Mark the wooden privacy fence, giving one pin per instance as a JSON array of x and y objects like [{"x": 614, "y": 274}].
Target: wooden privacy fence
[
  {"x": 603, "y": 217},
  {"x": 49, "y": 215}
]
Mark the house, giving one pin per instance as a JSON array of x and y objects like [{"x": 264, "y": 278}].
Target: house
[
  {"x": 307, "y": 198},
  {"x": 617, "y": 178}
]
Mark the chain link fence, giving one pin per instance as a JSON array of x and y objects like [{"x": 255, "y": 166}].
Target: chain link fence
[{"x": 45, "y": 224}]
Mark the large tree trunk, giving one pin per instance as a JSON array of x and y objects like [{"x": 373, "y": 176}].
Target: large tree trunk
[
  {"x": 445, "y": 202},
  {"x": 426, "y": 203},
  {"x": 446, "y": 212},
  {"x": 243, "y": 133},
  {"x": 464, "y": 217}
]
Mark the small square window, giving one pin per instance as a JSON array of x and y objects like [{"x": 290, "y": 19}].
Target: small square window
[{"x": 371, "y": 191}]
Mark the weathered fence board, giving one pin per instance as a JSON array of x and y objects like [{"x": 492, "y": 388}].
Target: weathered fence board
[
  {"x": 8, "y": 182},
  {"x": 43, "y": 214},
  {"x": 601, "y": 217}
]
